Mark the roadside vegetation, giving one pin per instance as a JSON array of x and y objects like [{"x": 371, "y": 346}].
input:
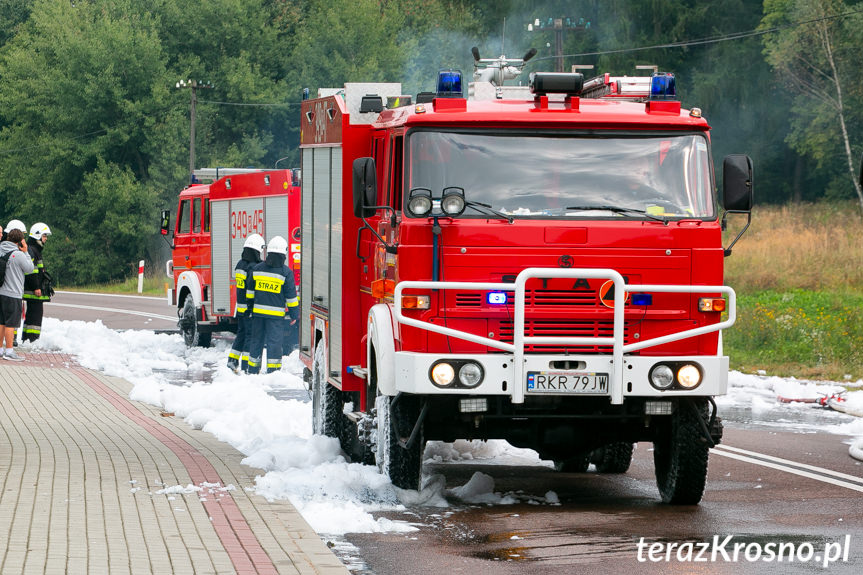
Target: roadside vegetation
[
  {"x": 153, "y": 286},
  {"x": 798, "y": 274}
]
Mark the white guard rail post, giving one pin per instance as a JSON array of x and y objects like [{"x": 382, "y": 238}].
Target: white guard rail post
[{"x": 619, "y": 347}]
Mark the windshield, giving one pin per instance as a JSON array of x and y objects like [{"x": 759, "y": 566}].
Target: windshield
[{"x": 572, "y": 175}]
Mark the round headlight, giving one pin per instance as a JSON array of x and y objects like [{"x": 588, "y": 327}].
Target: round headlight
[
  {"x": 661, "y": 377},
  {"x": 470, "y": 375},
  {"x": 452, "y": 204},
  {"x": 420, "y": 205},
  {"x": 688, "y": 376},
  {"x": 443, "y": 374}
]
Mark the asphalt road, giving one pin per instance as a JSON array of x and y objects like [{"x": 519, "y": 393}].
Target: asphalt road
[
  {"x": 115, "y": 311},
  {"x": 765, "y": 488},
  {"x": 599, "y": 525}
]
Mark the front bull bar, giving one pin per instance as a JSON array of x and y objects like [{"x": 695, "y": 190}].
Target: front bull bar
[{"x": 619, "y": 347}]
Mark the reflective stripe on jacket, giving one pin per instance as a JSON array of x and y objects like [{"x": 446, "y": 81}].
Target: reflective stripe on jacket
[
  {"x": 274, "y": 292},
  {"x": 241, "y": 273}
]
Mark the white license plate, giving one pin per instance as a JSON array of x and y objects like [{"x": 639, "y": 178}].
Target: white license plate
[{"x": 567, "y": 382}]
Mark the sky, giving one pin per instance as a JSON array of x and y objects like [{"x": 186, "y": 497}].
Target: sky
[{"x": 268, "y": 419}]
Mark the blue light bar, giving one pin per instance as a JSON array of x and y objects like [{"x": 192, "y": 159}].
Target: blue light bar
[
  {"x": 496, "y": 298},
  {"x": 662, "y": 86},
  {"x": 449, "y": 84},
  {"x": 642, "y": 299}
]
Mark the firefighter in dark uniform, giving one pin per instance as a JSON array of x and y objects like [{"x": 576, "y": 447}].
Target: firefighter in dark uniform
[
  {"x": 37, "y": 284},
  {"x": 253, "y": 249},
  {"x": 274, "y": 297}
]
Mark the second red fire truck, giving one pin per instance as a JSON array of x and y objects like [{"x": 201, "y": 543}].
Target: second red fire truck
[
  {"x": 214, "y": 218},
  {"x": 545, "y": 269}
]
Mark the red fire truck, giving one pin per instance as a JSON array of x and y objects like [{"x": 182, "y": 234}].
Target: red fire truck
[
  {"x": 213, "y": 221},
  {"x": 545, "y": 269}
]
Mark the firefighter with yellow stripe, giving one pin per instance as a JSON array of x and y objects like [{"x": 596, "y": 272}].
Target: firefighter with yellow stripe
[
  {"x": 253, "y": 249},
  {"x": 273, "y": 298},
  {"x": 37, "y": 284}
]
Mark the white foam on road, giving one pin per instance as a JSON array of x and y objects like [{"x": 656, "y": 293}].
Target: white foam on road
[{"x": 334, "y": 495}]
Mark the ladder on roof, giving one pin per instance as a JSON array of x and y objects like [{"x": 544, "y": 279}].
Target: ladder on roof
[{"x": 213, "y": 174}]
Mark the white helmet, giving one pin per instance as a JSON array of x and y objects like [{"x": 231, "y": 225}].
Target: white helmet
[
  {"x": 256, "y": 242},
  {"x": 16, "y": 225},
  {"x": 277, "y": 245},
  {"x": 38, "y": 230}
]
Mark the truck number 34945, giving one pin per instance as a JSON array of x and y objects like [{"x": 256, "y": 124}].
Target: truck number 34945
[{"x": 244, "y": 223}]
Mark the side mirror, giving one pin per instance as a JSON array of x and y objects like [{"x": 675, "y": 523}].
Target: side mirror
[
  {"x": 166, "y": 221},
  {"x": 737, "y": 192},
  {"x": 365, "y": 187}
]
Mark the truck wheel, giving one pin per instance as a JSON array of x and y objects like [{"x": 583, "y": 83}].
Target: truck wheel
[
  {"x": 189, "y": 325},
  {"x": 612, "y": 458},
  {"x": 680, "y": 455},
  {"x": 326, "y": 400},
  {"x": 577, "y": 464},
  {"x": 402, "y": 465}
]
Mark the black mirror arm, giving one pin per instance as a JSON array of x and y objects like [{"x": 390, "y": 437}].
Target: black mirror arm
[
  {"x": 727, "y": 251},
  {"x": 390, "y": 249},
  {"x": 169, "y": 242}
]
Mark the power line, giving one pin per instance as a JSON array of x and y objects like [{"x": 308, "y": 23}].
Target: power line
[
  {"x": 708, "y": 40},
  {"x": 252, "y": 104},
  {"x": 54, "y": 142}
]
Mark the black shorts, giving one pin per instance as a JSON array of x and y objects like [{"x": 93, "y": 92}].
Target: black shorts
[{"x": 10, "y": 310}]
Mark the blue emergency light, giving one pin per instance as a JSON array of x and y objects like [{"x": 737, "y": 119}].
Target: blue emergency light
[
  {"x": 662, "y": 86},
  {"x": 642, "y": 299},
  {"x": 449, "y": 84},
  {"x": 496, "y": 298}
]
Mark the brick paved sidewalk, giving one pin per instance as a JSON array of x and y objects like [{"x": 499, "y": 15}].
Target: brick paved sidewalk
[{"x": 80, "y": 467}]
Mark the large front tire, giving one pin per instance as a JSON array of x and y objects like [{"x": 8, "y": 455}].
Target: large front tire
[
  {"x": 188, "y": 324},
  {"x": 680, "y": 455},
  {"x": 403, "y": 465},
  {"x": 327, "y": 403}
]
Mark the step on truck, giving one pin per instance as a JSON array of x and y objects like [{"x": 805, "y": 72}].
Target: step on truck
[
  {"x": 215, "y": 215},
  {"x": 542, "y": 266}
]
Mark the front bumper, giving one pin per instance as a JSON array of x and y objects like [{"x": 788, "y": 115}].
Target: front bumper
[{"x": 412, "y": 374}]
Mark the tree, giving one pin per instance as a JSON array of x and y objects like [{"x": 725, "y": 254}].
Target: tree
[
  {"x": 818, "y": 58},
  {"x": 84, "y": 92}
]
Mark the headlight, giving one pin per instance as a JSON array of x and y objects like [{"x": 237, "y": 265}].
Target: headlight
[
  {"x": 420, "y": 205},
  {"x": 661, "y": 377},
  {"x": 452, "y": 203},
  {"x": 470, "y": 375},
  {"x": 688, "y": 376},
  {"x": 442, "y": 374}
]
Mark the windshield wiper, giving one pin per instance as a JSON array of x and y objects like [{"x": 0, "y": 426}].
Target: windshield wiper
[
  {"x": 619, "y": 210},
  {"x": 489, "y": 209}
]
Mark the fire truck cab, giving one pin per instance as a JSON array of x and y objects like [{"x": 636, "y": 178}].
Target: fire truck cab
[
  {"x": 545, "y": 269},
  {"x": 214, "y": 218}
]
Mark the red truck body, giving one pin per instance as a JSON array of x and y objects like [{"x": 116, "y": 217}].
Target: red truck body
[
  {"x": 213, "y": 221},
  {"x": 544, "y": 269}
]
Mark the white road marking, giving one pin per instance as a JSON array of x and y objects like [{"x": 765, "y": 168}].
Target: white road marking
[
  {"x": 816, "y": 473},
  {"x": 109, "y": 295},
  {"x": 116, "y": 310}
]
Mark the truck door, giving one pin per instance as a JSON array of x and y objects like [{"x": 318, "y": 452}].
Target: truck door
[{"x": 183, "y": 237}]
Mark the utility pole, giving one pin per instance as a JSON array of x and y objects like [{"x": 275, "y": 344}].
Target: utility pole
[
  {"x": 194, "y": 86},
  {"x": 558, "y": 25}
]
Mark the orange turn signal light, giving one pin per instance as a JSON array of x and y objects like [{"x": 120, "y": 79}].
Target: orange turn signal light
[
  {"x": 383, "y": 288},
  {"x": 416, "y": 302},
  {"x": 711, "y": 304}
]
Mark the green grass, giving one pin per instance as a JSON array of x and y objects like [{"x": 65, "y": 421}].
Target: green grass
[
  {"x": 798, "y": 273},
  {"x": 801, "y": 333},
  {"x": 152, "y": 286}
]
